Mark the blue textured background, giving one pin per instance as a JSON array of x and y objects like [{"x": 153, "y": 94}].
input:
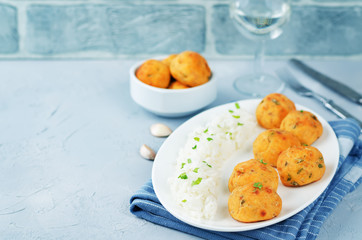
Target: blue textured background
[
  {"x": 312, "y": 30},
  {"x": 124, "y": 28},
  {"x": 8, "y": 29}
]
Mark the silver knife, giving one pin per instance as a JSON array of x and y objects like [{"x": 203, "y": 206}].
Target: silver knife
[
  {"x": 287, "y": 77},
  {"x": 329, "y": 82}
]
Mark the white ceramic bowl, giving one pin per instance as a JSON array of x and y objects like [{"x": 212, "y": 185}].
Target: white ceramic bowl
[{"x": 171, "y": 102}]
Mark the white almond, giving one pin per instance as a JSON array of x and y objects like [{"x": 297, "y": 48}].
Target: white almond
[
  {"x": 147, "y": 152},
  {"x": 160, "y": 130}
]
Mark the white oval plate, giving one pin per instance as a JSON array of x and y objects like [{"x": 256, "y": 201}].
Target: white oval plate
[{"x": 294, "y": 199}]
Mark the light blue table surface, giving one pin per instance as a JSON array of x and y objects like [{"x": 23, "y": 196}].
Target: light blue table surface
[{"x": 69, "y": 148}]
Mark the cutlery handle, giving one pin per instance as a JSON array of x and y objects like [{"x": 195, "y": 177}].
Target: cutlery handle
[
  {"x": 340, "y": 112},
  {"x": 335, "y": 85}
]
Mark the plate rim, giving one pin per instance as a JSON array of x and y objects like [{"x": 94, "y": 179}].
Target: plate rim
[{"x": 255, "y": 225}]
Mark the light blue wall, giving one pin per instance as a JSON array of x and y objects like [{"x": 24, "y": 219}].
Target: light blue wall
[{"x": 44, "y": 29}]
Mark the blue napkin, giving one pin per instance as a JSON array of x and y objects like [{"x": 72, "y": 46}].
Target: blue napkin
[{"x": 304, "y": 225}]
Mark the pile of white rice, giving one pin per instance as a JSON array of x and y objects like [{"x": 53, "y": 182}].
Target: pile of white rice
[{"x": 198, "y": 169}]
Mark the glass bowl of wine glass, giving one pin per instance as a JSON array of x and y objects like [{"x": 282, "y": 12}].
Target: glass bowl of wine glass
[{"x": 259, "y": 20}]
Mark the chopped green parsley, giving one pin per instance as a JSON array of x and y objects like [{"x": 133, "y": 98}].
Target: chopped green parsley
[
  {"x": 237, "y": 105},
  {"x": 196, "y": 138},
  {"x": 261, "y": 160},
  {"x": 196, "y": 182},
  {"x": 258, "y": 185},
  {"x": 275, "y": 101},
  {"x": 183, "y": 176},
  {"x": 196, "y": 170},
  {"x": 299, "y": 160},
  {"x": 207, "y": 164}
]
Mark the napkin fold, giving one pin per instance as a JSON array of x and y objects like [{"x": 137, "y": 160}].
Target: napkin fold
[{"x": 304, "y": 225}]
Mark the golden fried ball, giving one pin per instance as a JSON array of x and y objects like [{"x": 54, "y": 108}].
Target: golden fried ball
[
  {"x": 177, "y": 85},
  {"x": 253, "y": 171},
  {"x": 252, "y": 204},
  {"x": 298, "y": 166},
  {"x": 154, "y": 73},
  {"x": 272, "y": 109},
  {"x": 167, "y": 61},
  {"x": 304, "y": 125},
  {"x": 190, "y": 68},
  {"x": 271, "y": 143}
]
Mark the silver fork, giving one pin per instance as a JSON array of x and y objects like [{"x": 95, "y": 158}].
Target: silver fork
[{"x": 287, "y": 77}]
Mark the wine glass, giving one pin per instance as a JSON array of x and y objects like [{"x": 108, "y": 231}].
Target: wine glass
[{"x": 259, "y": 20}]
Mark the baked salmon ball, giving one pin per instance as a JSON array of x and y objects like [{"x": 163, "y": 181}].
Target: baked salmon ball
[
  {"x": 254, "y": 202},
  {"x": 154, "y": 73},
  {"x": 272, "y": 109},
  {"x": 271, "y": 143},
  {"x": 167, "y": 61},
  {"x": 304, "y": 125},
  {"x": 190, "y": 68},
  {"x": 177, "y": 85},
  {"x": 298, "y": 166},
  {"x": 253, "y": 171}
]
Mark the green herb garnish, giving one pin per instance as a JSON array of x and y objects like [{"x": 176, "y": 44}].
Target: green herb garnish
[
  {"x": 231, "y": 111},
  {"x": 237, "y": 105},
  {"x": 320, "y": 165},
  {"x": 194, "y": 147},
  {"x": 183, "y": 176},
  {"x": 304, "y": 144},
  {"x": 301, "y": 111},
  {"x": 275, "y": 101},
  {"x": 196, "y": 138},
  {"x": 182, "y": 165},
  {"x": 299, "y": 160},
  {"x": 294, "y": 183},
  {"x": 240, "y": 124},
  {"x": 184, "y": 200},
  {"x": 196, "y": 170},
  {"x": 206, "y": 130},
  {"x": 196, "y": 182},
  {"x": 261, "y": 160},
  {"x": 300, "y": 170},
  {"x": 236, "y": 116},
  {"x": 189, "y": 160},
  {"x": 207, "y": 164},
  {"x": 209, "y": 139},
  {"x": 258, "y": 185}
]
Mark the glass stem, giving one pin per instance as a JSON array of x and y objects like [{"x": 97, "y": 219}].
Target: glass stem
[{"x": 259, "y": 58}]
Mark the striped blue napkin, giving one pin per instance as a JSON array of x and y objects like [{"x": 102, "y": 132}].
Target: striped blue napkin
[{"x": 304, "y": 225}]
